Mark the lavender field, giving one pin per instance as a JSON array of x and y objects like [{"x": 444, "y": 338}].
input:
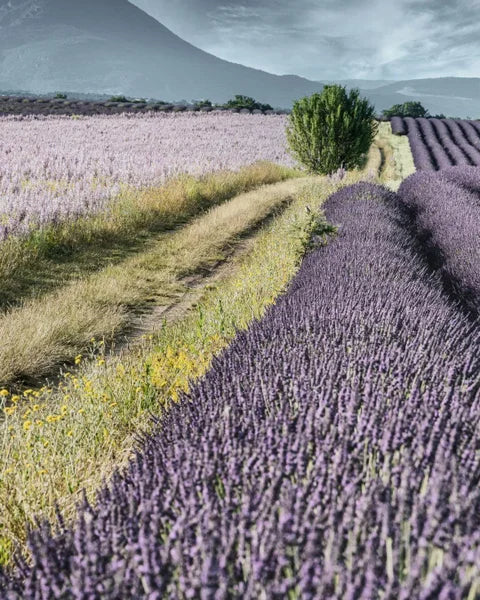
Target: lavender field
[
  {"x": 57, "y": 168},
  {"x": 330, "y": 452},
  {"x": 440, "y": 143}
]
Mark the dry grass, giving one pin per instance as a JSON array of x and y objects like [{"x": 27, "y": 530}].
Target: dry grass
[
  {"x": 51, "y": 256},
  {"x": 398, "y": 157},
  {"x": 389, "y": 160},
  {"x": 45, "y": 332}
]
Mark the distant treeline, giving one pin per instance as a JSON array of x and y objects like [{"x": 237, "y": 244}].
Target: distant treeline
[{"x": 60, "y": 103}]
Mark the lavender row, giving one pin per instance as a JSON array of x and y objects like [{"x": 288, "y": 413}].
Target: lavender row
[
  {"x": 423, "y": 156},
  {"x": 331, "y": 452},
  {"x": 57, "y": 168},
  {"x": 469, "y": 146},
  {"x": 398, "y": 126},
  {"x": 440, "y": 143},
  {"x": 444, "y": 209}
]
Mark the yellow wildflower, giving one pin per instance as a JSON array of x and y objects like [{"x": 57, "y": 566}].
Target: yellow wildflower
[
  {"x": 15, "y": 398},
  {"x": 53, "y": 418},
  {"x": 9, "y": 410},
  {"x": 4, "y": 393},
  {"x": 78, "y": 359},
  {"x": 27, "y": 425}
]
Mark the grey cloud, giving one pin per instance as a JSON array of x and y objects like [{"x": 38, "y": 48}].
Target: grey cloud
[{"x": 333, "y": 39}]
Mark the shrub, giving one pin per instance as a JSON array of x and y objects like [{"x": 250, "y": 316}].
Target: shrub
[
  {"x": 118, "y": 99},
  {"x": 407, "y": 109},
  {"x": 202, "y": 103},
  {"x": 246, "y": 102},
  {"x": 331, "y": 130},
  {"x": 60, "y": 96}
]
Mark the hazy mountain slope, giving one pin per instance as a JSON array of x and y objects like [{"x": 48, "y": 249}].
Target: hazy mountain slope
[
  {"x": 111, "y": 46},
  {"x": 454, "y": 96},
  {"x": 364, "y": 84}
]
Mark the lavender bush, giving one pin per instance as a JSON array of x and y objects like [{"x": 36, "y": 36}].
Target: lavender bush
[
  {"x": 55, "y": 168},
  {"x": 398, "y": 126},
  {"x": 467, "y": 177},
  {"x": 330, "y": 453},
  {"x": 440, "y": 143},
  {"x": 444, "y": 211}
]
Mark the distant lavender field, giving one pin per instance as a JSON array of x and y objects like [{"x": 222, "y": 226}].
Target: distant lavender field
[
  {"x": 55, "y": 168},
  {"x": 440, "y": 143}
]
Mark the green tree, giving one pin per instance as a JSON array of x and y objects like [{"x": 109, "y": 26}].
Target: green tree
[
  {"x": 407, "y": 109},
  {"x": 246, "y": 102},
  {"x": 331, "y": 130},
  {"x": 203, "y": 103}
]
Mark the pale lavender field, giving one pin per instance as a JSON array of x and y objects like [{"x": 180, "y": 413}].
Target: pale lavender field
[{"x": 55, "y": 168}]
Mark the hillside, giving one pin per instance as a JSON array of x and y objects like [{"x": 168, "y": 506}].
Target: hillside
[{"x": 453, "y": 96}]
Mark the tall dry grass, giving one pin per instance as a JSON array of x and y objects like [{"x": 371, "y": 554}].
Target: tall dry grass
[
  {"x": 44, "y": 332},
  {"x": 55, "y": 254}
]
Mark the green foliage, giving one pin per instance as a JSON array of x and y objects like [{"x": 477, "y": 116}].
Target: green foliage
[
  {"x": 118, "y": 99},
  {"x": 407, "y": 109},
  {"x": 246, "y": 102},
  {"x": 203, "y": 103},
  {"x": 331, "y": 130},
  {"x": 61, "y": 96}
]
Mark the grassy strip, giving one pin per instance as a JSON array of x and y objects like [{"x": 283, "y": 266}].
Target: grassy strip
[
  {"x": 53, "y": 255},
  {"x": 73, "y": 437},
  {"x": 397, "y": 154},
  {"x": 46, "y": 332}
]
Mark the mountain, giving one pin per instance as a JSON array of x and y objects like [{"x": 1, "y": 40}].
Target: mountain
[
  {"x": 363, "y": 84},
  {"x": 113, "y": 47},
  {"x": 453, "y": 96}
]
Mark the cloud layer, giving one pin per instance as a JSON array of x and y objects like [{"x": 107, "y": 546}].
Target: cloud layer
[{"x": 333, "y": 39}]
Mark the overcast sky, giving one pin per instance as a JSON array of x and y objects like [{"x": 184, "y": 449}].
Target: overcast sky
[{"x": 333, "y": 39}]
